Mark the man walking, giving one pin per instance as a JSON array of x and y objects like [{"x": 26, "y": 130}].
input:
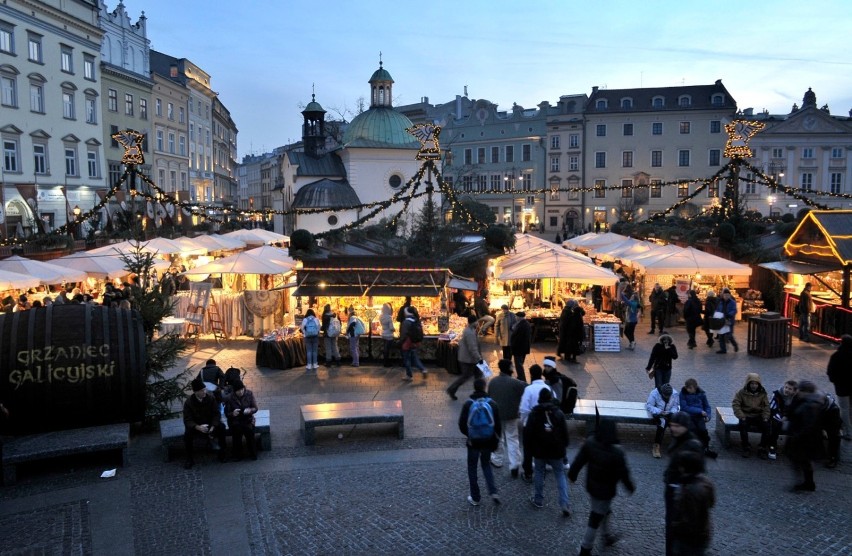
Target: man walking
[
  {"x": 507, "y": 392},
  {"x": 503, "y": 329},
  {"x": 469, "y": 355},
  {"x": 805, "y": 309},
  {"x": 528, "y": 401},
  {"x": 480, "y": 422},
  {"x": 521, "y": 340},
  {"x": 728, "y": 307},
  {"x": 659, "y": 306},
  {"x": 546, "y": 438}
]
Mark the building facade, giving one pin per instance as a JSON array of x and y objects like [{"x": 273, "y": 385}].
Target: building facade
[{"x": 224, "y": 154}]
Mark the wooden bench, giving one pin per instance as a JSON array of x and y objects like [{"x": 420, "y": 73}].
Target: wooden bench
[
  {"x": 64, "y": 443},
  {"x": 349, "y": 413},
  {"x": 726, "y": 423},
  {"x": 171, "y": 433},
  {"x": 618, "y": 411}
]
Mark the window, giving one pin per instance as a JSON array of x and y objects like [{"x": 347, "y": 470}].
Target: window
[
  {"x": 554, "y": 141},
  {"x": 777, "y": 153},
  {"x": 808, "y": 181},
  {"x": 600, "y": 104},
  {"x": 684, "y": 128},
  {"x": 91, "y": 110},
  {"x": 467, "y": 183},
  {"x": 128, "y": 104},
  {"x": 7, "y": 38},
  {"x": 89, "y": 67},
  {"x": 181, "y": 114},
  {"x": 715, "y": 157},
  {"x": 510, "y": 153},
  {"x": 113, "y": 129},
  {"x": 715, "y": 126},
  {"x": 807, "y": 152},
  {"x": 40, "y": 158},
  {"x": 480, "y": 155},
  {"x": 192, "y": 135},
  {"x": 34, "y": 48},
  {"x": 626, "y": 189},
  {"x": 184, "y": 181},
  {"x": 554, "y": 163},
  {"x": 627, "y": 129},
  {"x": 481, "y": 183},
  {"x": 718, "y": 100},
  {"x": 68, "y": 105},
  {"x": 836, "y": 152},
  {"x": 66, "y": 56},
  {"x": 656, "y": 159},
  {"x": 92, "y": 163},
  {"x": 574, "y": 141},
  {"x": 158, "y": 108},
  {"x": 173, "y": 180},
  {"x": 600, "y": 160},
  {"x": 574, "y": 163},
  {"x": 658, "y": 102},
  {"x": 468, "y": 157},
  {"x": 683, "y": 158},
  {"x": 112, "y": 100},
  {"x": 526, "y": 153},
  {"x": 682, "y": 190},
  {"x": 495, "y": 183},
  {"x": 509, "y": 183},
  {"x": 495, "y": 154},
  {"x": 160, "y": 140},
  {"x": 114, "y": 170},
  {"x": 143, "y": 108},
  {"x": 600, "y": 191},
  {"x": 750, "y": 186},
  {"x": 554, "y": 195},
  {"x": 836, "y": 182},
  {"x": 526, "y": 182},
  {"x": 713, "y": 189},
  {"x": 182, "y": 145},
  {"x": 8, "y": 91},
  {"x": 10, "y": 155},
  {"x": 71, "y": 162},
  {"x": 657, "y": 128},
  {"x": 170, "y": 111},
  {"x": 627, "y": 103},
  {"x": 627, "y": 159},
  {"x": 656, "y": 189},
  {"x": 684, "y": 101},
  {"x": 36, "y": 97},
  {"x": 161, "y": 175},
  {"x": 600, "y": 130}
]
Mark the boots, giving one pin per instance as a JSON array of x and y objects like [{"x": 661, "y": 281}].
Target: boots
[{"x": 656, "y": 451}]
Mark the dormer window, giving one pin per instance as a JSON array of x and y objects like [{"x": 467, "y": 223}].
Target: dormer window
[
  {"x": 684, "y": 101},
  {"x": 601, "y": 104},
  {"x": 718, "y": 99},
  {"x": 627, "y": 103},
  {"x": 658, "y": 102}
]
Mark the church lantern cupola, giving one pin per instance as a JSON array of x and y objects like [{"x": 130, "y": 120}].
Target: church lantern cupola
[
  {"x": 381, "y": 87},
  {"x": 313, "y": 130}
]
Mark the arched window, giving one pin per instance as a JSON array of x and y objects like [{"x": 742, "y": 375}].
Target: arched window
[
  {"x": 601, "y": 104},
  {"x": 627, "y": 103}
]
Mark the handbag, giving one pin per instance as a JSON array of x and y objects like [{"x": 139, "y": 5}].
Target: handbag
[{"x": 717, "y": 321}]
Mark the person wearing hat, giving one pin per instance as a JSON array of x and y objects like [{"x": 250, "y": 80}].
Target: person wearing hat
[
  {"x": 521, "y": 341},
  {"x": 751, "y": 408},
  {"x": 507, "y": 391},
  {"x": 561, "y": 386},
  {"x": 663, "y": 402},
  {"x": 546, "y": 439},
  {"x": 685, "y": 447},
  {"x": 659, "y": 365},
  {"x": 503, "y": 327},
  {"x": 240, "y": 409},
  {"x": 201, "y": 419},
  {"x": 709, "y": 308}
]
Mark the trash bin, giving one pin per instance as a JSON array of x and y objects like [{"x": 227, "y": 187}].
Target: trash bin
[{"x": 769, "y": 336}]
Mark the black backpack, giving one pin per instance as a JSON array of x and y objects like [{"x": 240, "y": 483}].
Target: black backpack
[{"x": 416, "y": 332}]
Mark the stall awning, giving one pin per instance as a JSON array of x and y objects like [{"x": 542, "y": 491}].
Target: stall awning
[
  {"x": 798, "y": 268},
  {"x": 372, "y": 276},
  {"x": 462, "y": 284}
]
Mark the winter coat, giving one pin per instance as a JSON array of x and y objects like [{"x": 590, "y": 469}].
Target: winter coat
[
  {"x": 571, "y": 330},
  {"x": 546, "y": 433},
  {"x": 521, "y": 337},
  {"x": 662, "y": 356},
  {"x": 659, "y": 300},
  {"x": 469, "y": 346},
  {"x": 804, "y": 426},
  {"x": 561, "y": 385},
  {"x": 657, "y": 404},
  {"x": 386, "y": 320},
  {"x": 326, "y": 318},
  {"x": 242, "y": 403},
  {"x": 840, "y": 368},
  {"x": 200, "y": 412},
  {"x": 728, "y": 308},
  {"x": 692, "y": 311},
  {"x": 214, "y": 375},
  {"x": 751, "y": 404},
  {"x": 507, "y": 392},
  {"x": 503, "y": 327},
  {"x": 681, "y": 445},
  {"x": 709, "y": 308},
  {"x": 606, "y": 461},
  {"x": 492, "y": 443},
  {"x": 695, "y": 403},
  {"x": 481, "y": 307},
  {"x": 691, "y": 521},
  {"x": 632, "y": 307},
  {"x": 779, "y": 405}
]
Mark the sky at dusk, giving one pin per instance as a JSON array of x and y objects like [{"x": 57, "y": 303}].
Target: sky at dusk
[{"x": 264, "y": 56}]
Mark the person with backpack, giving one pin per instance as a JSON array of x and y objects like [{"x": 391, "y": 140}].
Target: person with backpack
[
  {"x": 481, "y": 423},
  {"x": 386, "y": 320},
  {"x": 310, "y": 330},
  {"x": 331, "y": 332},
  {"x": 411, "y": 335},
  {"x": 213, "y": 377},
  {"x": 546, "y": 439},
  {"x": 354, "y": 329}
]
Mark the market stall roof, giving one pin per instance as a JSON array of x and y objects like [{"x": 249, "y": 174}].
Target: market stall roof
[
  {"x": 273, "y": 254},
  {"x": 599, "y": 240},
  {"x": 363, "y": 276},
  {"x": 46, "y": 273},
  {"x": 463, "y": 284},
  {"x": 555, "y": 264},
  {"x": 822, "y": 237},
  {"x": 578, "y": 240},
  {"x": 242, "y": 263},
  {"x": 14, "y": 281},
  {"x": 610, "y": 251},
  {"x": 191, "y": 245},
  {"x": 529, "y": 255},
  {"x": 693, "y": 261},
  {"x": 101, "y": 265},
  {"x": 794, "y": 267},
  {"x": 257, "y": 236},
  {"x": 158, "y": 245},
  {"x": 655, "y": 252},
  {"x": 526, "y": 241},
  {"x": 215, "y": 242}
]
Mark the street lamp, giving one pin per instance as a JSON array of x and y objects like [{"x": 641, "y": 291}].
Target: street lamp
[
  {"x": 76, "y": 210},
  {"x": 771, "y": 200}
]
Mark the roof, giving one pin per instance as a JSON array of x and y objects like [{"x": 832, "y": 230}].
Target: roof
[
  {"x": 381, "y": 74},
  {"x": 327, "y": 165},
  {"x": 822, "y": 236},
  {"x": 380, "y": 127},
  {"x": 701, "y": 99},
  {"x": 326, "y": 193}
]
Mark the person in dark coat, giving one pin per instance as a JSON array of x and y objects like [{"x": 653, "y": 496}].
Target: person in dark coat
[
  {"x": 597, "y": 298},
  {"x": 479, "y": 451},
  {"x": 662, "y": 354},
  {"x": 571, "y": 331},
  {"x": 607, "y": 467},
  {"x": 672, "y": 301},
  {"x": 201, "y": 419},
  {"x": 684, "y": 446},
  {"x": 659, "y": 307},
  {"x": 840, "y": 374},
  {"x": 804, "y": 433},
  {"x": 240, "y": 409},
  {"x": 691, "y": 527},
  {"x": 546, "y": 439},
  {"x": 521, "y": 340},
  {"x": 692, "y": 314},
  {"x": 709, "y": 308}
]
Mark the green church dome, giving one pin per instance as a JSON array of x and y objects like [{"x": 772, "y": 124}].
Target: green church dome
[
  {"x": 381, "y": 74},
  {"x": 380, "y": 127}
]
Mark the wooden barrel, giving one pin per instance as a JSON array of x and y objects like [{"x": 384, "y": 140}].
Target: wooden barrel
[{"x": 70, "y": 366}]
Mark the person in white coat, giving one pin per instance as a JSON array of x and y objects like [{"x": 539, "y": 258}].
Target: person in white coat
[{"x": 662, "y": 403}]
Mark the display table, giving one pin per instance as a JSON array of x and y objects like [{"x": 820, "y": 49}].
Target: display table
[
  {"x": 281, "y": 354},
  {"x": 172, "y": 325},
  {"x": 544, "y": 328},
  {"x": 447, "y": 356},
  {"x": 769, "y": 337}
]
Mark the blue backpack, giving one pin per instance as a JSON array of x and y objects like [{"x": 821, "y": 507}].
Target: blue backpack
[
  {"x": 480, "y": 420},
  {"x": 311, "y": 327}
]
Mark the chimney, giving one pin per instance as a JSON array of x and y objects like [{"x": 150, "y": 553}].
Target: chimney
[
  {"x": 465, "y": 90},
  {"x": 458, "y": 107}
]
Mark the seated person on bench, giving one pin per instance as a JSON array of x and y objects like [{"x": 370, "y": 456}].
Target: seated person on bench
[
  {"x": 240, "y": 409},
  {"x": 751, "y": 408},
  {"x": 663, "y": 402},
  {"x": 201, "y": 419},
  {"x": 778, "y": 406}
]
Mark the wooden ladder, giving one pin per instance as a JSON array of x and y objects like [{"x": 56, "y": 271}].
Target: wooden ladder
[{"x": 217, "y": 327}]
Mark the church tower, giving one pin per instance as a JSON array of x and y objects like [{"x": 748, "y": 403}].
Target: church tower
[
  {"x": 381, "y": 87},
  {"x": 313, "y": 130}
]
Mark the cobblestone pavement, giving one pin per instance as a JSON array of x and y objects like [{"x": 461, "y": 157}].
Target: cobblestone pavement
[{"x": 370, "y": 493}]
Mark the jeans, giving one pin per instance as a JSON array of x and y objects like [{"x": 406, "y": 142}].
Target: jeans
[
  {"x": 409, "y": 357},
  {"x": 332, "y": 353},
  {"x": 311, "y": 347},
  {"x": 804, "y": 326},
  {"x": 630, "y": 331},
  {"x": 661, "y": 430},
  {"x": 658, "y": 319},
  {"x": 662, "y": 376},
  {"x": 484, "y": 323},
  {"x": 482, "y": 457},
  {"x": 353, "y": 350},
  {"x": 757, "y": 422},
  {"x": 519, "y": 367},
  {"x": 510, "y": 445},
  {"x": 690, "y": 332},
  {"x": 598, "y": 518},
  {"x": 469, "y": 370},
  {"x": 843, "y": 403},
  {"x": 386, "y": 352},
  {"x": 561, "y": 482},
  {"x": 728, "y": 336}
]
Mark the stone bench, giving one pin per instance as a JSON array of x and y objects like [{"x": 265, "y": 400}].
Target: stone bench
[
  {"x": 726, "y": 423},
  {"x": 349, "y": 413},
  {"x": 621, "y": 412},
  {"x": 171, "y": 433},
  {"x": 64, "y": 443}
]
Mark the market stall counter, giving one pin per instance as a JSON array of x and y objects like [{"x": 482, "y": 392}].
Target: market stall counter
[{"x": 281, "y": 353}]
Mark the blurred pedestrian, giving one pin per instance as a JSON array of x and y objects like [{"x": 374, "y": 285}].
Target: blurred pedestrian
[
  {"x": 684, "y": 446},
  {"x": 804, "y": 434},
  {"x": 693, "y": 317},
  {"x": 481, "y": 423},
  {"x": 507, "y": 391},
  {"x": 546, "y": 439},
  {"x": 840, "y": 374}
]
